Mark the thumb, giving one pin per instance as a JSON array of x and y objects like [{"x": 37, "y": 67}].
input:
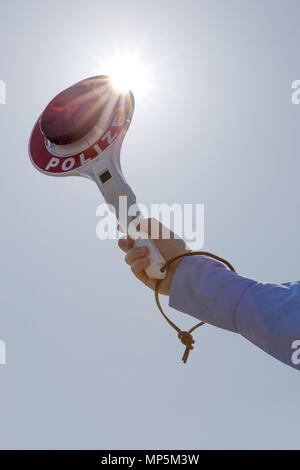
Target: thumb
[
  {"x": 154, "y": 229},
  {"x": 168, "y": 242}
]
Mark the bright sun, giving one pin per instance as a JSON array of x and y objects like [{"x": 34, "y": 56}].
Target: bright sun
[{"x": 128, "y": 72}]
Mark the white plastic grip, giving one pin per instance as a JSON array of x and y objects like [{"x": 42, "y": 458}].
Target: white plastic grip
[
  {"x": 156, "y": 258},
  {"x": 125, "y": 220}
]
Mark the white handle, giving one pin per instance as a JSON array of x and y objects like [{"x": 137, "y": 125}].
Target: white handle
[{"x": 156, "y": 258}]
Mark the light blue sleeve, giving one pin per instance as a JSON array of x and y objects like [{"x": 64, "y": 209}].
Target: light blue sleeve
[{"x": 266, "y": 314}]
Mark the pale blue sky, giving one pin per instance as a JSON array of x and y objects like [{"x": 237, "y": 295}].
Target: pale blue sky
[{"x": 90, "y": 362}]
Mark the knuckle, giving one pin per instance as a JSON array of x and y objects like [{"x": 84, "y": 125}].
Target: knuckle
[
  {"x": 137, "y": 266},
  {"x": 133, "y": 269}
]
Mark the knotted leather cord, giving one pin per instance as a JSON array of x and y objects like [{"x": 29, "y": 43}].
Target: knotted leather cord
[{"x": 185, "y": 336}]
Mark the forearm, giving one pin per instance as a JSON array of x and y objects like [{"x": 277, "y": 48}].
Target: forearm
[{"x": 266, "y": 314}]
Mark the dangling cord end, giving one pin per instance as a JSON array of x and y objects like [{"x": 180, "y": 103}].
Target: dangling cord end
[
  {"x": 188, "y": 341},
  {"x": 185, "y": 336}
]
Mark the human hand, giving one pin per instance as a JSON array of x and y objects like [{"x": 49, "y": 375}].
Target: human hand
[{"x": 168, "y": 243}]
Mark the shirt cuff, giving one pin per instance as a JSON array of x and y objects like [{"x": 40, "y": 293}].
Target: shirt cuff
[{"x": 207, "y": 290}]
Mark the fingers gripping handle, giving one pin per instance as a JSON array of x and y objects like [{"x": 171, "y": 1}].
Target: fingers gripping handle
[
  {"x": 156, "y": 259},
  {"x": 125, "y": 220}
]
